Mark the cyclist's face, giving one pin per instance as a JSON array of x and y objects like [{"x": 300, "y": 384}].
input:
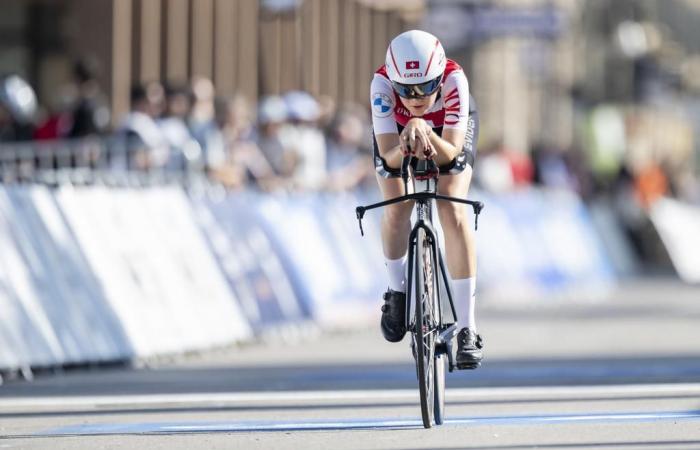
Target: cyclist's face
[{"x": 418, "y": 106}]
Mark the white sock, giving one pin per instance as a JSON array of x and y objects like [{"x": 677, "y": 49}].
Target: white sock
[
  {"x": 463, "y": 295},
  {"x": 396, "y": 268}
]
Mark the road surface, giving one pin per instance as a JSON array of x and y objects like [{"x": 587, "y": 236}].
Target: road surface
[{"x": 619, "y": 374}]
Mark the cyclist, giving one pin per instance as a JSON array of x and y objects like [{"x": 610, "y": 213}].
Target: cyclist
[{"x": 421, "y": 106}]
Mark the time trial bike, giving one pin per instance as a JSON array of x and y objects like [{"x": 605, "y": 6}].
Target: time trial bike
[{"x": 432, "y": 330}]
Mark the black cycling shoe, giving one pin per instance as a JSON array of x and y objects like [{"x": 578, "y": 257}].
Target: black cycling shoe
[
  {"x": 393, "y": 322},
  {"x": 469, "y": 345}
]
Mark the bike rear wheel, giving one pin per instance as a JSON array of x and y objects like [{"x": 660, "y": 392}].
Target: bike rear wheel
[{"x": 426, "y": 332}]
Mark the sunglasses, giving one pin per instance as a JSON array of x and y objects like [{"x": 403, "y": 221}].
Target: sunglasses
[{"x": 417, "y": 90}]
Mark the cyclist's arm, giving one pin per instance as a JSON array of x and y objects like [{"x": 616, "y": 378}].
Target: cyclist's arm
[
  {"x": 386, "y": 131},
  {"x": 455, "y": 92},
  {"x": 449, "y": 146},
  {"x": 389, "y": 149}
]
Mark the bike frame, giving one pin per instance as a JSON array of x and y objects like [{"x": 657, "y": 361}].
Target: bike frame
[
  {"x": 424, "y": 222},
  {"x": 424, "y": 200}
]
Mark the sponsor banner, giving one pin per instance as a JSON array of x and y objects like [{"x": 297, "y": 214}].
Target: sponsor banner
[
  {"x": 360, "y": 259},
  {"x": 21, "y": 341},
  {"x": 106, "y": 239},
  {"x": 26, "y": 311},
  {"x": 207, "y": 308},
  {"x": 245, "y": 255},
  {"x": 537, "y": 245},
  {"x": 532, "y": 245},
  {"x": 334, "y": 272},
  {"x": 678, "y": 225},
  {"x": 540, "y": 243},
  {"x": 167, "y": 291},
  {"x": 97, "y": 273},
  {"x": 298, "y": 238},
  {"x": 611, "y": 232},
  {"x": 84, "y": 322}
]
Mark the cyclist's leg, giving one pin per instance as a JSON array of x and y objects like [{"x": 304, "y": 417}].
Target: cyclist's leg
[
  {"x": 459, "y": 237},
  {"x": 396, "y": 226},
  {"x": 455, "y": 182},
  {"x": 396, "y": 222},
  {"x": 460, "y": 247},
  {"x": 460, "y": 253}
]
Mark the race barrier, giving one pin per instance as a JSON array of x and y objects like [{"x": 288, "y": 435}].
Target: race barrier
[
  {"x": 541, "y": 245},
  {"x": 678, "y": 224},
  {"x": 91, "y": 274},
  {"x": 247, "y": 258},
  {"x": 53, "y": 308}
]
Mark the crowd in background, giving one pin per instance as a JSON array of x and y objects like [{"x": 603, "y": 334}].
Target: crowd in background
[
  {"x": 290, "y": 142},
  {"x": 626, "y": 157},
  {"x": 298, "y": 142}
]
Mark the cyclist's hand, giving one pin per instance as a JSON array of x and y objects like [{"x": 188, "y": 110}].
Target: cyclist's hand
[
  {"x": 425, "y": 152},
  {"x": 414, "y": 138},
  {"x": 406, "y": 148}
]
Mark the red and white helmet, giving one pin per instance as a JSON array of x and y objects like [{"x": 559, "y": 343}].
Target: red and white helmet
[{"x": 415, "y": 57}]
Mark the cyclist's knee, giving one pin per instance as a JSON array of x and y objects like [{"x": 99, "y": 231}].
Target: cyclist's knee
[
  {"x": 398, "y": 214},
  {"x": 452, "y": 215}
]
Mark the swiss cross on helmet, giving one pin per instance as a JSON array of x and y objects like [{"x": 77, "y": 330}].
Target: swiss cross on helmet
[{"x": 415, "y": 62}]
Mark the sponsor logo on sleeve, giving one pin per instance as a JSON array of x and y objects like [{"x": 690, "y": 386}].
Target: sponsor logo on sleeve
[{"x": 382, "y": 105}]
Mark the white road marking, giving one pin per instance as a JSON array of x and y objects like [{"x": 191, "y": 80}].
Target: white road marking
[
  {"x": 355, "y": 424},
  {"x": 379, "y": 395}
]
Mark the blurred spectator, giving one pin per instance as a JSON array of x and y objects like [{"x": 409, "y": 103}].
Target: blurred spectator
[
  {"x": 327, "y": 113},
  {"x": 18, "y": 107},
  {"x": 7, "y": 126},
  {"x": 628, "y": 210},
  {"x": 582, "y": 178},
  {"x": 637, "y": 183},
  {"x": 686, "y": 186},
  {"x": 349, "y": 164},
  {"x": 606, "y": 144},
  {"x": 492, "y": 171},
  {"x": 90, "y": 113},
  {"x": 145, "y": 145},
  {"x": 305, "y": 141},
  {"x": 650, "y": 184},
  {"x": 551, "y": 168},
  {"x": 521, "y": 167},
  {"x": 272, "y": 117},
  {"x": 501, "y": 169},
  {"x": 57, "y": 120},
  {"x": 202, "y": 120},
  {"x": 243, "y": 162},
  {"x": 184, "y": 149}
]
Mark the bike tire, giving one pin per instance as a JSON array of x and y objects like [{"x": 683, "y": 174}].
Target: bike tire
[{"x": 426, "y": 327}]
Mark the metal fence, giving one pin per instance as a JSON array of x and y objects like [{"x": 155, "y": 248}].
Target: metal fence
[{"x": 106, "y": 160}]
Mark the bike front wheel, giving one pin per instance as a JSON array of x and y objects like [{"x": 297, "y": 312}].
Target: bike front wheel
[{"x": 426, "y": 331}]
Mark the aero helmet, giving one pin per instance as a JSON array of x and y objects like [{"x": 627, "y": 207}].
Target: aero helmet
[{"x": 415, "y": 62}]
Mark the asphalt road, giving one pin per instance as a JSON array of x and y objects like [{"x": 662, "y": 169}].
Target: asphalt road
[{"x": 620, "y": 374}]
